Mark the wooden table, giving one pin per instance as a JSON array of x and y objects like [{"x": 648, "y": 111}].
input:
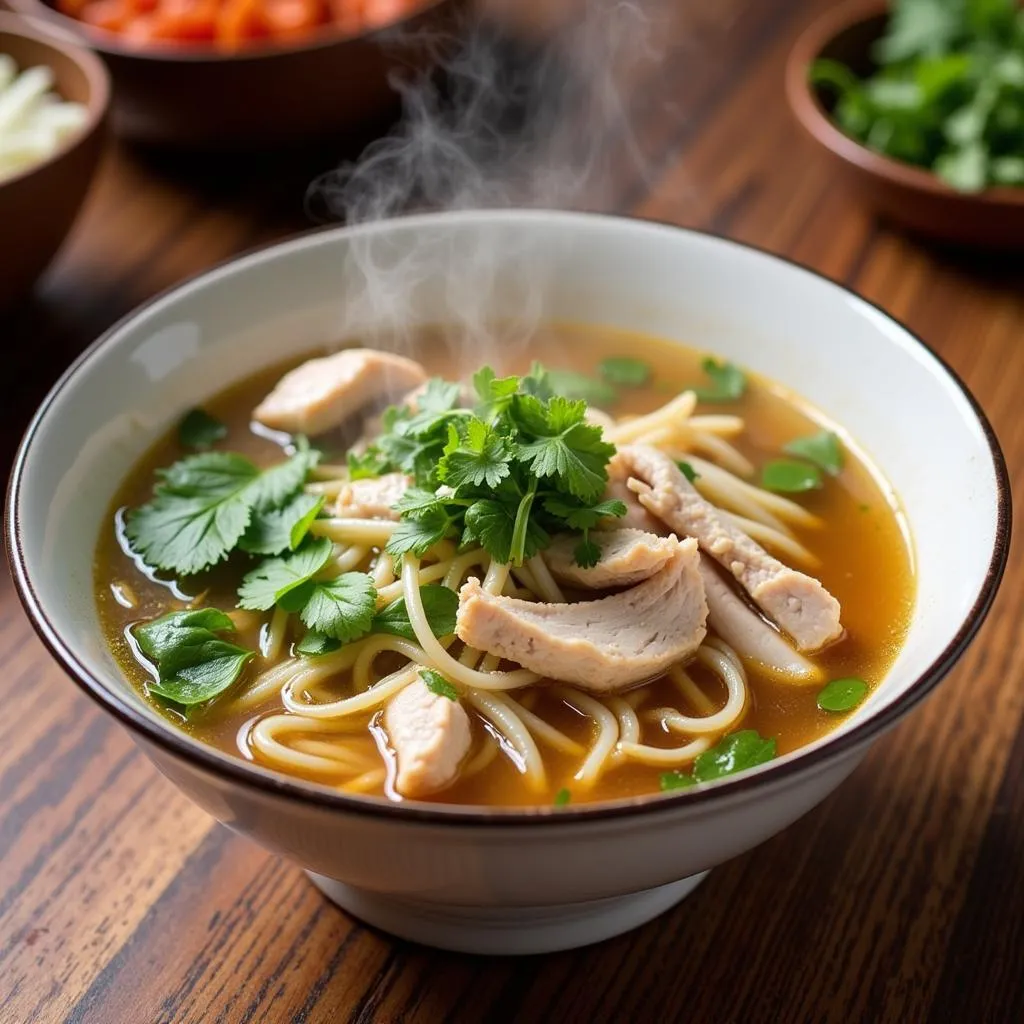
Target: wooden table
[{"x": 901, "y": 898}]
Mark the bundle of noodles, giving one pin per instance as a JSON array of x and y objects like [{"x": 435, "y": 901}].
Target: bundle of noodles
[{"x": 566, "y": 594}]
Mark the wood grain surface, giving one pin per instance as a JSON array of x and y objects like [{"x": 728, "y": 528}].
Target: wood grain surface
[{"x": 901, "y": 898}]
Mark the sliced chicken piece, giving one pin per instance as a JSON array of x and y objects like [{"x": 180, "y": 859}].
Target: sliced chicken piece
[
  {"x": 372, "y": 497},
  {"x": 748, "y": 634},
  {"x": 636, "y": 517},
  {"x": 627, "y": 557},
  {"x": 322, "y": 393},
  {"x": 797, "y": 602},
  {"x": 604, "y": 645},
  {"x": 430, "y": 736}
]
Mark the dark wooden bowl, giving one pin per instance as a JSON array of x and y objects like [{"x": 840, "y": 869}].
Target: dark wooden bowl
[
  {"x": 260, "y": 97},
  {"x": 907, "y": 195},
  {"x": 39, "y": 205}
]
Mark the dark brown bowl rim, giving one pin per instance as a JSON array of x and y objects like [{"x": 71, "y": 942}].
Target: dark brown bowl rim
[
  {"x": 107, "y": 42},
  {"x": 808, "y": 110},
  {"x": 95, "y": 73},
  {"x": 311, "y": 795}
]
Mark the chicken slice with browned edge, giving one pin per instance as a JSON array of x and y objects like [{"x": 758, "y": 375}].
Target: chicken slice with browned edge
[
  {"x": 604, "y": 645},
  {"x": 323, "y": 393},
  {"x": 797, "y": 602}
]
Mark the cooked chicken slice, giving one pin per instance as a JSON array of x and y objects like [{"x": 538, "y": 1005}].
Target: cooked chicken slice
[
  {"x": 636, "y": 517},
  {"x": 627, "y": 557},
  {"x": 748, "y": 634},
  {"x": 372, "y": 497},
  {"x": 430, "y": 736},
  {"x": 322, "y": 393},
  {"x": 604, "y": 645},
  {"x": 797, "y": 602}
]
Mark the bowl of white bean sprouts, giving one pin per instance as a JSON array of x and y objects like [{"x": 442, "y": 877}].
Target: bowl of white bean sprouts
[{"x": 53, "y": 107}]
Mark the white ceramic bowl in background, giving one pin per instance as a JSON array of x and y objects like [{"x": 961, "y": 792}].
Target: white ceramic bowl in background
[{"x": 505, "y": 880}]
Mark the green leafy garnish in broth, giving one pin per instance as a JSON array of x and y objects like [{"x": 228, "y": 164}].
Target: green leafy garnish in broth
[
  {"x": 728, "y": 382},
  {"x": 790, "y": 476},
  {"x": 823, "y": 449},
  {"x": 198, "y": 429},
  {"x": 842, "y": 694},
  {"x": 437, "y": 684},
  {"x": 625, "y": 371}
]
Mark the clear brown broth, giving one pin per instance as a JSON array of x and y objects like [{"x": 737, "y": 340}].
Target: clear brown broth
[{"x": 863, "y": 549}]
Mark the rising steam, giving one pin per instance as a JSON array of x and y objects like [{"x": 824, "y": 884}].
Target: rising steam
[{"x": 524, "y": 114}]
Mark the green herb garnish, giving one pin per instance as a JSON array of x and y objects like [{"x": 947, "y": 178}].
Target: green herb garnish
[
  {"x": 736, "y": 752},
  {"x": 822, "y": 448},
  {"x": 198, "y": 429},
  {"x": 688, "y": 471},
  {"x": 341, "y": 607},
  {"x": 274, "y": 531},
  {"x": 789, "y": 475},
  {"x": 437, "y": 684},
  {"x": 315, "y": 644},
  {"x": 275, "y": 578},
  {"x": 579, "y": 387},
  {"x": 562, "y": 797},
  {"x": 203, "y": 505},
  {"x": 675, "y": 780},
  {"x": 625, "y": 371},
  {"x": 440, "y": 605},
  {"x": 947, "y": 94},
  {"x": 728, "y": 382},
  {"x": 521, "y": 467},
  {"x": 193, "y": 663},
  {"x": 842, "y": 694}
]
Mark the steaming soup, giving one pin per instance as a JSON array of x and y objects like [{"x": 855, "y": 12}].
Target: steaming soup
[{"x": 637, "y": 570}]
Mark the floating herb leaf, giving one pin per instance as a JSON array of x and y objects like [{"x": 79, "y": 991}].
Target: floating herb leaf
[
  {"x": 790, "y": 476},
  {"x": 728, "y": 382},
  {"x": 198, "y": 429},
  {"x": 675, "y": 780},
  {"x": 437, "y": 684},
  {"x": 562, "y": 797},
  {"x": 625, "y": 371},
  {"x": 735, "y": 753},
  {"x": 440, "y": 606},
  {"x": 688, "y": 471},
  {"x": 842, "y": 694},
  {"x": 822, "y": 448}
]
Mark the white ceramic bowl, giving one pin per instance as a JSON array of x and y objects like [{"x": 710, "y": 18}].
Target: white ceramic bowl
[{"x": 494, "y": 880}]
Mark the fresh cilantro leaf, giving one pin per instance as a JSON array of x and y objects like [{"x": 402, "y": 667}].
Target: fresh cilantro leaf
[
  {"x": 586, "y": 554},
  {"x": 283, "y": 529},
  {"x": 737, "y": 752},
  {"x": 273, "y": 579},
  {"x": 314, "y": 645},
  {"x": 417, "y": 502},
  {"x": 421, "y": 533},
  {"x": 822, "y": 448},
  {"x": 564, "y": 446},
  {"x": 790, "y": 476},
  {"x": 842, "y": 694},
  {"x": 199, "y": 512},
  {"x": 341, "y": 608},
  {"x": 437, "y": 684},
  {"x": 727, "y": 382},
  {"x": 675, "y": 780},
  {"x": 438, "y": 396},
  {"x": 572, "y": 385},
  {"x": 491, "y": 524},
  {"x": 495, "y": 393},
  {"x": 440, "y": 605},
  {"x": 584, "y": 517},
  {"x": 562, "y": 797},
  {"x": 198, "y": 429},
  {"x": 475, "y": 456},
  {"x": 367, "y": 464},
  {"x": 274, "y": 486},
  {"x": 193, "y": 664},
  {"x": 625, "y": 371},
  {"x": 688, "y": 471}
]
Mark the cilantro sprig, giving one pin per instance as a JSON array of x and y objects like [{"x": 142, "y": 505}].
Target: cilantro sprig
[{"x": 522, "y": 466}]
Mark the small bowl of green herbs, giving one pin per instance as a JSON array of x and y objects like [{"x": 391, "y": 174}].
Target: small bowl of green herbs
[{"x": 922, "y": 104}]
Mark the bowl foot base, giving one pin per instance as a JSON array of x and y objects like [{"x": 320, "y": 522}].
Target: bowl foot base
[{"x": 503, "y": 931}]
